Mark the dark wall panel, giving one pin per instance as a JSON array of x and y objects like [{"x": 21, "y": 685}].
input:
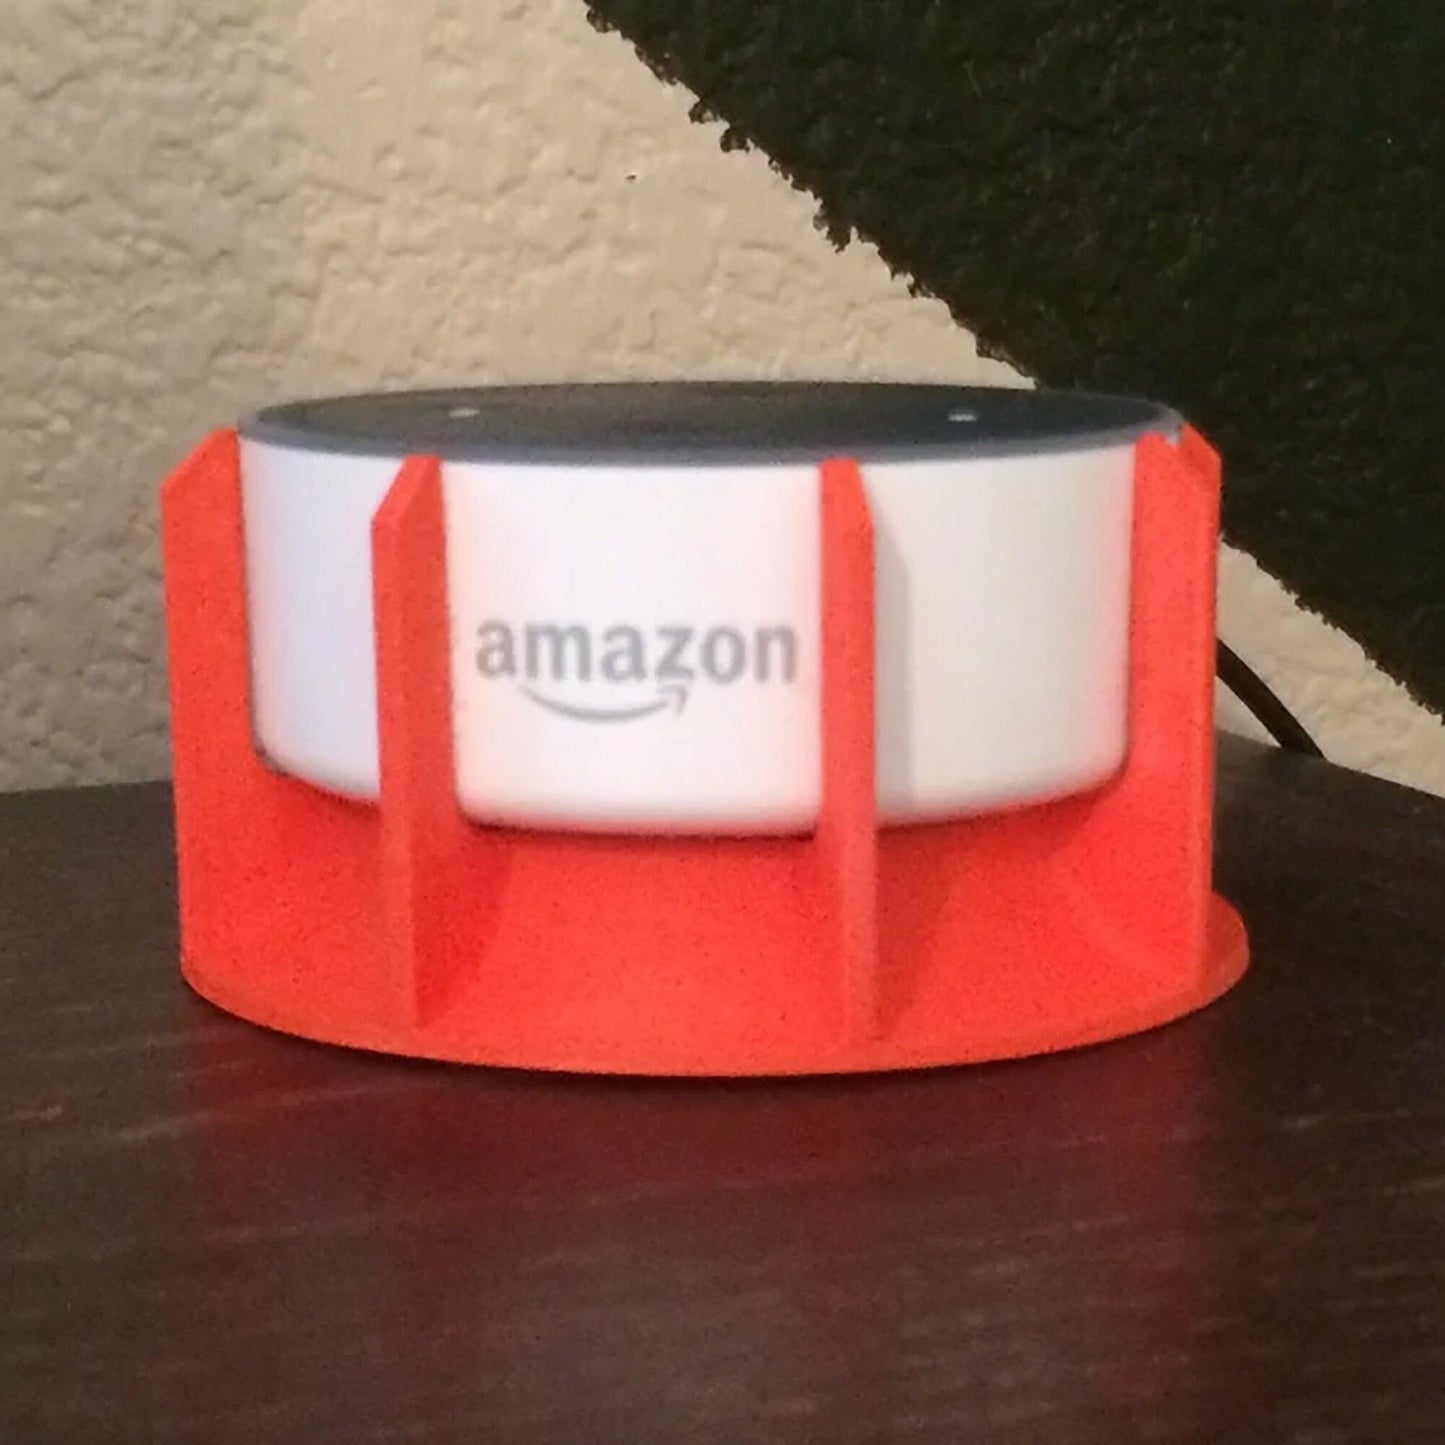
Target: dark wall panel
[{"x": 1238, "y": 207}]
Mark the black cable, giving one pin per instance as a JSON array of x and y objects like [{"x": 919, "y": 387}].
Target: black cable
[{"x": 1252, "y": 690}]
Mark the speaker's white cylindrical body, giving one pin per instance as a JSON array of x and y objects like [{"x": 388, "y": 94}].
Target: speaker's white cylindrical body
[{"x": 635, "y": 619}]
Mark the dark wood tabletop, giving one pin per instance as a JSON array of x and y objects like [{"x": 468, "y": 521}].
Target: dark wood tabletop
[{"x": 1231, "y": 1229}]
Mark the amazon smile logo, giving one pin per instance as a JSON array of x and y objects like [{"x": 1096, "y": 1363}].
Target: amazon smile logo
[{"x": 624, "y": 673}]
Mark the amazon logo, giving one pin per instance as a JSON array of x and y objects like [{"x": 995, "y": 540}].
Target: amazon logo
[{"x": 623, "y": 673}]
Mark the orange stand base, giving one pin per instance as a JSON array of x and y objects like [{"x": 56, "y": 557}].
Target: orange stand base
[{"x": 404, "y": 928}]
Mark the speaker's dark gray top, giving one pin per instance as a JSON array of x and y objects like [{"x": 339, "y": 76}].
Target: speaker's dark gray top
[{"x": 702, "y": 423}]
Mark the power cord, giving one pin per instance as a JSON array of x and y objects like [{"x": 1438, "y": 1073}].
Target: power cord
[{"x": 1252, "y": 690}]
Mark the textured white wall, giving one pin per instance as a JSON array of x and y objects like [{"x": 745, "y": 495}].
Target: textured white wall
[{"x": 210, "y": 207}]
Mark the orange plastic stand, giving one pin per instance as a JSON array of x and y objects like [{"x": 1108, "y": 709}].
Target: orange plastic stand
[{"x": 405, "y": 928}]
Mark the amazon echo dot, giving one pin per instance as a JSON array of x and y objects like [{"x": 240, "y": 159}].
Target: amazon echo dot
[{"x": 634, "y": 596}]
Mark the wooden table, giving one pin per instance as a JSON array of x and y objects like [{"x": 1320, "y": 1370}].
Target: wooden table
[{"x": 1232, "y": 1229}]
